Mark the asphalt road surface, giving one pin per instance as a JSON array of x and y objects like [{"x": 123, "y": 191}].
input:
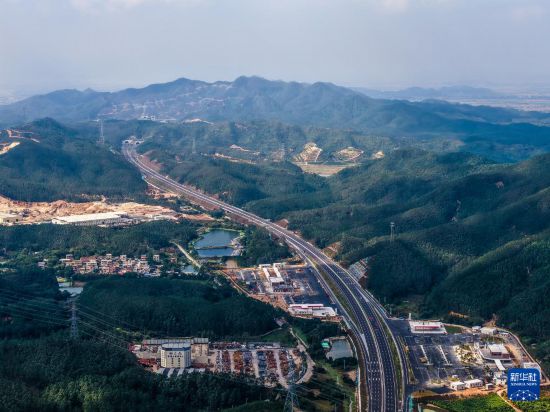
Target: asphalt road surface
[{"x": 380, "y": 388}]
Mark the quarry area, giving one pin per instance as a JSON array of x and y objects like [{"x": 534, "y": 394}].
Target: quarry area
[
  {"x": 17, "y": 212},
  {"x": 310, "y": 153},
  {"x": 348, "y": 154}
]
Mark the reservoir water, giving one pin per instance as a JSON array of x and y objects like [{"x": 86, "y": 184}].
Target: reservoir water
[{"x": 216, "y": 243}]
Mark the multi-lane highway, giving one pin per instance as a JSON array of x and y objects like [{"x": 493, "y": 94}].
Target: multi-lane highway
[{"x": 380, "y": 389}]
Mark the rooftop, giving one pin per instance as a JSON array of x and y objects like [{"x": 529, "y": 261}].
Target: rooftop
[
  {"x": 4, "y": 215},
  {"x": 89, "y": 217},
  {"x": 176, "y": 346}
]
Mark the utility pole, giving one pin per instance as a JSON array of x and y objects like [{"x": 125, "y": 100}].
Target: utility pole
[
  {"x": 392, "y": 231},
  {"x": 74, "y": 324},
  {"x": 291, "y": 399}
]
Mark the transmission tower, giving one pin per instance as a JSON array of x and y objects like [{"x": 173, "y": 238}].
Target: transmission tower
[
  {"x": 291, "y": 400},
  {"x": 74, "y": 324},
  {"x": 194, "y": 146},
  {"x": 392, "y": 231},
  {"x": 101, "y": 135}
]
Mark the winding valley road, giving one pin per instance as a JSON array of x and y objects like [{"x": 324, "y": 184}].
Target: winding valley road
[{"x": 382, "y": 374}]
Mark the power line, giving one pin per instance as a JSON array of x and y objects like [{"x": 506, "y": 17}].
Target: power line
[
  {"x": 37, "y": 310},
  {"x": 34, "y": 304},
  {"x": 291, "y": 402},
  {"x": 34, "y": 314},
  {"x": 74, "y": 323}
]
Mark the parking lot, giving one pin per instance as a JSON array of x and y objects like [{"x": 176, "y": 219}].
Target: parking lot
[{"x": 270, "y": 364}]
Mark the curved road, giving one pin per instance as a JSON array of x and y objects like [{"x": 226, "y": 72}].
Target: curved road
[{"x": 367, "y": 320}]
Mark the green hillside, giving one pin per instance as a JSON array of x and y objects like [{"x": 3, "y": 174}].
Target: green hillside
[
  {"x": 472, "y": 235},
  {"x": 54, "y": 162},
  {"x": 484, "y": 130},
  {"x": 42, "y": 369},
  {"x": 268, "y": 140}
]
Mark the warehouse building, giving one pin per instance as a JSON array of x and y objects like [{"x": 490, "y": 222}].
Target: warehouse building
[
  {"x": 175, "y": 355},
  {"x": 94, "y": 219}
]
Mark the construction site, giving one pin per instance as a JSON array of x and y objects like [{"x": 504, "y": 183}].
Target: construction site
[
  {"x": 450, "y": 358},
  {"x": 291, "y": 287},
  {"x": 13, "y": 212}
]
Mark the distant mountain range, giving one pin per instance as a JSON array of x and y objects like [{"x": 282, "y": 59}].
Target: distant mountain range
[
  {"x": 319, "y": 104},
  {"x": 442, "y": 93},
  {"x": 253, "y": 98}
]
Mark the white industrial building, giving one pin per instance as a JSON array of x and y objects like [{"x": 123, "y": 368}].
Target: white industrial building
[
  {"x": 427, "y": 327},
  {"x": 272, "y": 274},
  {"x": 498, "y": 350},
  {"x": 8, "y": 219},
  {"x": 175, "y": 355},
  {"x": 276, "y": 278},
  {"x": 457, "y": 386},
  {"x": 488, "y": 331},
  {"x": 315, "y": 310},
  {"x": 93, "y": 219},
  {"x": 473, "y": 383}
]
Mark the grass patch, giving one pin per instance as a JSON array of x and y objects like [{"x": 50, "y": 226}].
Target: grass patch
[
  {"x": 334, "y": 391},
  {"x": 542, "y": 405},
  {"x": 301, "y": 335},
  {"x": 453, "y": 329},
  {"x": 283, "y": 336}
]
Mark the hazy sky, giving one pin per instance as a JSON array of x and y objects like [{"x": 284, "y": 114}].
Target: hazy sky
[{"x": 111, "y": 44}]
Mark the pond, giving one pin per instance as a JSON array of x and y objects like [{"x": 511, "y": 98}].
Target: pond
[{"x": 217, "y": 243}]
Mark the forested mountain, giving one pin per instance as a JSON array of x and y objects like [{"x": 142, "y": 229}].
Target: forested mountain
[
  {"x": 472, "y": 235},
  {"x": 41, "y": 368},
  {"x": 272, "y": 140},
  {"x": 51, "y": 162},
  {"x": 318, "y": 104}
]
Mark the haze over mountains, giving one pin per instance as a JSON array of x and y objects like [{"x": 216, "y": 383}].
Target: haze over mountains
[
  {"x": 321, "y": 104},
  {"x": 466, "y": 224},
  {"x": 441, "y": 93}
]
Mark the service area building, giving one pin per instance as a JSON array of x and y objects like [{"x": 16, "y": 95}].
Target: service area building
[
  {"x": 427, "y": 327},
  {"x": 315, "y": 310}
]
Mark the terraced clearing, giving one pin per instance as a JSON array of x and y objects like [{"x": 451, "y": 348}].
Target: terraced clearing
[{"x": 322, "y": 169}]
